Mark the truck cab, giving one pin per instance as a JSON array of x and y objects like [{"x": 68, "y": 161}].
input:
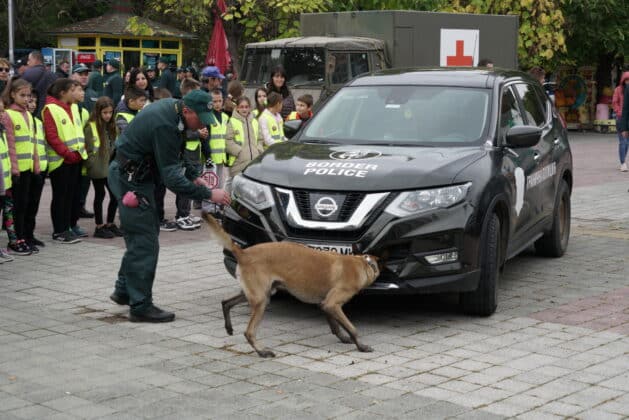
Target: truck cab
[{"x": 316, "y": 65}]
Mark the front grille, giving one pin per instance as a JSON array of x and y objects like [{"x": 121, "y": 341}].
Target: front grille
[{"x": 305, "y": 202}]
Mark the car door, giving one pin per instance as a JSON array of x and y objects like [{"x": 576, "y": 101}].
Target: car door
[
  {"x": 518, "y": 165},
  {"x": 542, "y": 180}
]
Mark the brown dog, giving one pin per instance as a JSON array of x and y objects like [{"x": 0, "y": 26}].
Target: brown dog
[{"x": 325, "y": 278}]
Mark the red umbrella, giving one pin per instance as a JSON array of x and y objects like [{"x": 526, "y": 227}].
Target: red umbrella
[{"x": 217, "y": 52}]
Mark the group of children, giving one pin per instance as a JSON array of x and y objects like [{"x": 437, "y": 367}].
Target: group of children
[{"x": 68, "y": 142}]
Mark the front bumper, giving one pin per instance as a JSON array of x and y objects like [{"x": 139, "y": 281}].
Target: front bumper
[{"x": 401, "y": 244}]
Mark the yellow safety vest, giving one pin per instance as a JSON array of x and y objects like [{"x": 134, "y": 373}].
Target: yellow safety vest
[
  {"x": 217, "y": 140},
  {"x": 96, "y": 136},
  {"x": 5, "y": 160},
  {"x": 70, "y": 133},
  {"x": 84, "y": 114},
  {"x": 239, "y": 137},
  {"x": 24, "y": 139},
  {"x": 293, "y": 116},
  {"x": 276, "y": 130},
  {"x": 126, "y": 115},
  {"x": 42, "y": 146}
]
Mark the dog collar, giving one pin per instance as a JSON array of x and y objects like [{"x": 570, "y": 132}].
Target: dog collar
[{"x": 371, "y": 263}]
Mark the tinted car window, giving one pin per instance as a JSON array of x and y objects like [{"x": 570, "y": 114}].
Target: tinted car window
[
  {"x": 510, "y": 115},
  {"x": 416, "y": 115},
  {"x": 532, "y": 106}
]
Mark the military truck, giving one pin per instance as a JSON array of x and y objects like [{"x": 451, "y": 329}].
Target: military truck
[{"x": 336, "y": 47}]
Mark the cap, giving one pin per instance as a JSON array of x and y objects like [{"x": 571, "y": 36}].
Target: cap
[
  {"x": 47, "y": 62},
  {"x": 180, "y": 69},
  {"x": 212, "y": 71},
  {"x": 114, "y": 63},
  {"x": 163, "y": 59},
  {"x": 201, "y": 103},
  {"x": 150, "y": 68},
  {"x": 97, "y": 63},
  {"x": 80, "y": 68},
  {"x": 20, "y": 63}
]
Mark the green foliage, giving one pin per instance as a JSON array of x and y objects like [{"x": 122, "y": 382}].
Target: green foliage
[
  {"x": 541, "y": 40},
  {"x": 596, "y": 28}
]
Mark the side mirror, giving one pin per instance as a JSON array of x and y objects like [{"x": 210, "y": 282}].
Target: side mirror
[
  {"x": 523, "y": 136},
  {"x": 291, "y": 128}
]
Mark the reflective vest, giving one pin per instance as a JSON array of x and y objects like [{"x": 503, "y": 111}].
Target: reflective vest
[
  {"x": 5, "y": 161},
  {"x": 70, "y": 132},
  {"x": 239, "y": 137},
  {"x": 293, "y": 116},
  {"x": 42, "y": 146},
  {"x": 83, "y": 113},
  {"x": 96, "y": 136},
  {"x": 275, "y": 130},
  {"x": 24, "y": 139},
  {"x": 126, "y": 115},
  {"x": 217, "y": 140}
]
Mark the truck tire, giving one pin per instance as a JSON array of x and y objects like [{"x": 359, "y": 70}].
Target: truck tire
[
  {"x": 484, "y": 300},
  {"x": 555, "y": 242}
]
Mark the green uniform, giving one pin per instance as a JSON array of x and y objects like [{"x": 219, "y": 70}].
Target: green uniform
[
  {"x": 95, "y": 82},
  {"x": 155, "y": 135}
]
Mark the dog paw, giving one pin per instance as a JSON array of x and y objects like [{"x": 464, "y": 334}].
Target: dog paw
[
  {"x": 266, "y": 353},
  {"x": 229, "y": 330},
  {"x": 365, "y": 348}
]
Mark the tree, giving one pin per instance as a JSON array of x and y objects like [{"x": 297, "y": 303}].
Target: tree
[{"x": 542, "y": 40}]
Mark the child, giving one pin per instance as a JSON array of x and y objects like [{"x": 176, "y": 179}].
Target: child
[
  {"x": 6, "y": 201},
  {"x": 260, "y": 96},
  {"x": 192, "y": 153},
  {"x": 38, "y": 180},
  {"x": 84, "y": 182},
  {"x": 134, "y": 101},
  {"x": 271, "y": 121},
  {"x": 304, "y": 109},
  {"x": 243, "y": 139},
  {"x": 100, "y": 135},
  {"x": 66, "y": 152},
  {"x": 24, "y": 159}
]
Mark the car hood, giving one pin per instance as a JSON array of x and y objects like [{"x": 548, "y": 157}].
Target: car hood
[{"x": 360, "y": 167}]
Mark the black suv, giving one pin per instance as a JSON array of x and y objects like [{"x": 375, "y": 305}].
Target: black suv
[{"x": 444, "y": 173}]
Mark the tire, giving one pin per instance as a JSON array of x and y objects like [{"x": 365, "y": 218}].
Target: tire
[
  {"x": 555, "y": 242},
  {"x": 484, "y": 300}
]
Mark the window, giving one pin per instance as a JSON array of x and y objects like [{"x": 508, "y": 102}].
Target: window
[
  {"x": 510, "y": 115},
  {"x": 150, "y": 43},
  {"x": 87, "y": 42},
  {"x": 131, "y": 43},
  {"x": 348, "y": 65},
  {"x": 533, "y": 108},
  {"x": 110, "y": 42},
  {"x": 170, "y": 45},
  {"x": 303, "y": 66}
]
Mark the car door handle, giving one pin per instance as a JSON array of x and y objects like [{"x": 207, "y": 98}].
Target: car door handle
[{"x": 536, "y": 156}]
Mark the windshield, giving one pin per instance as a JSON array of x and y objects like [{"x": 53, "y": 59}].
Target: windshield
[
  {"x": 303, "y": 66},
  {"x": 415, "y": 115}
]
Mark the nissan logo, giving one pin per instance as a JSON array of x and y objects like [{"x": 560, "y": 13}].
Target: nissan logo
[
  {"x": 354, "y": 154},
  {"x": 325, "y": 206}
]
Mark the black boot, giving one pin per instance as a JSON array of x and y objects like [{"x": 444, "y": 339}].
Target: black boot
[
  {"x": 119, "y": 299},
  {"x": 151, "y": 314},
  {"x": 83, "y": 213}
]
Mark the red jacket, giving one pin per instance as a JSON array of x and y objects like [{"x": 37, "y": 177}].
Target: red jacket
[
  {"x": 617, "y": 99},
  {"x": 52, "y": 136}
]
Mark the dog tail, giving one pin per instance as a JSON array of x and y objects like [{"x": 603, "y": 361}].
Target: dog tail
[{"x": 219, "y": 233}]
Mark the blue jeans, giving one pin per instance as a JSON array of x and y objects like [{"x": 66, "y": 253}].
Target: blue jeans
[{"x": 623, "y": 144}]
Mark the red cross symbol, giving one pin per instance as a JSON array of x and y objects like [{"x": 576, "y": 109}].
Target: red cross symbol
[{"x": 459, "y": 59}]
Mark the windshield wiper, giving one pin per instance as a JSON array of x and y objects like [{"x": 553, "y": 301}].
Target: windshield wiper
[{"x": 318, "y": 141}]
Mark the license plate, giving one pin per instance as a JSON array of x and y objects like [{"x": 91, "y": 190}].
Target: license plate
[{"x": 339, "y": 249}]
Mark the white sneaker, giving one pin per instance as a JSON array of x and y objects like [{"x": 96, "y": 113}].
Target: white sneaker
[
  {"x": 196, "y": 220},
  {"x": 623, "y": 167},
  {"x": 184, "y": 223},
  {"x": 5, "y": 256}
]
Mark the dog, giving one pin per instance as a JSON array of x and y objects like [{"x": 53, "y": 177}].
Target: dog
[{"x": 325, "y": 278}]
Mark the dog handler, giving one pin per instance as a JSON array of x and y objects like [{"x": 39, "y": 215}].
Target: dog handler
[{"x": 149, "y": 149}]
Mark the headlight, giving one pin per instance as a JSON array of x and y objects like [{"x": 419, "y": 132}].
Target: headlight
[
  {"x": 253, "y": 193},
  {"x": 412, "y": 202}
]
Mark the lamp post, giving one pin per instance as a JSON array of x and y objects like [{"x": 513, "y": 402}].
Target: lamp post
[{"x": 11, "y": 45}]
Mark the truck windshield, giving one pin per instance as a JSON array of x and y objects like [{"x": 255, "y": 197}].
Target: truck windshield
[
  {"x": 404, "y": 115},
  {"x": 303, "y": 66}
]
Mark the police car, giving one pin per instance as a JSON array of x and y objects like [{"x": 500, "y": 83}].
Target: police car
[{"x": 445, "y": 174}]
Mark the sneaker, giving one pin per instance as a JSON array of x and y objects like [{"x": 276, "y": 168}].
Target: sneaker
[
  {"x": 115, "y": 230},
  {"x": 196, "y": 220},
  {"x": 19, "y": 248},
  {"x": 166, "y": 226},
  {"x": 184, "y": 223},
  {"x": 78, "y": 232},
  {"x": 34, "y": 249},
  {"x": 5, "y": 256},
  {"x": 67, "y": 237},
  {"x": 623, "y": 167},
  {"x": 35, "y": 242},
  {"x": 103, "y": 232}
]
